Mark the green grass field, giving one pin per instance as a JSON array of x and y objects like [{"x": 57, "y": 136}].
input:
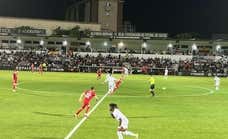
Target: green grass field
[{"x": 43, "y": 107}]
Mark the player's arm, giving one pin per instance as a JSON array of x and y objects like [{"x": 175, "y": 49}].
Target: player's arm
[
  {"x": 112, "y": 116},
  {"x": 81, "y": 97},
  {"x": 120, "y": 122},
  {"x": 96, "y": 97},
  {"x": 115, "y": 79}
]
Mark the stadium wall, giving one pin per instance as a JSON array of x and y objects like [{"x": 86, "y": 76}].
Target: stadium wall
[{"x": 48, "y": 25}]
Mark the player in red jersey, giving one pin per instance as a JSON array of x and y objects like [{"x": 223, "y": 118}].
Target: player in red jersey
[
  {"x": 118, "y": 83},
  {"x": 32, "y": 67},
  {"x": 87, "y": 96},
  {"x": 41, "y": 69},
  {"x": 99, "y": 73},
  {"x": 15, "y": 80}
]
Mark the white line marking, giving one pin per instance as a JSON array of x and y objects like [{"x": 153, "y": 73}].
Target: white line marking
[
  {"x": 210, "y": 91},
  {"x": 85, "y": 118}
]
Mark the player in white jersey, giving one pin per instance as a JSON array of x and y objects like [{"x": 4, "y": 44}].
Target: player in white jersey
[
  {"x": 111, "y": 83},
  {"x": 217, "y": 82},
  {"x": 125, "y": 71},
  {"x": 166, "y": 73},
  {"x": 123, "y": 122}
]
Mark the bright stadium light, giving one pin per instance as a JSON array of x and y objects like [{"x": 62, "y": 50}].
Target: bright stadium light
[
  {"x": 65, "y": 43},
  {"x": 218, "y": 48},
  {"x": 194, "y": 47},
  {"x": 121, "y": 44},
  {"x": 41, "y": 42},
  {"x": 170, "y": 45},
  {"x": 144, "y": 45},
  {"x": 88, "y": 43},
  {"x": 105, "y": 44},
  {"x": 19, "y": 41}
]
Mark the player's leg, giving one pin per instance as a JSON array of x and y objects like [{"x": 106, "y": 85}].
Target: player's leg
[
  {"x": 14, "y": 87},
  {"x": 99, "y": 76},
  {"x": 119, "y": 134},
  {"x": 78, "y": 112},
  {"x": 87, "y": 110},
  {"x": 216, "y": 87},
  {"x": 111, "y": 89},
  {"x": 123, "y": 129},
  {"x": 80, "y": 109},
  {"x": 129, "y": 133},
  {"x": 115, "y": 89},
  {"x": 152, "y": 90}
]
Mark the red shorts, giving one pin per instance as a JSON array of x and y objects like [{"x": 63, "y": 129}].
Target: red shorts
[
  {"x": 85, "y": 104},
  {"x": 118, "y": 84}
]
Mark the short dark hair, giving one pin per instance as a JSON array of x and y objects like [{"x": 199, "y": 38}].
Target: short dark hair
[
  {"x": 110, "y": 71},
  {"x": 92, "y": 88},
  {"x": 113, "y": 105}
]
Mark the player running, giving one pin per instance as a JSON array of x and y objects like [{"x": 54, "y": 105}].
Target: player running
[
  {"x": 217, "y": 83},
  {"x": 152, "y": 85},
  {"x": 32, "y": 67},
  {"x": 125, "y": 71},
  {"x": 166, "y": 73},
  {"x": 99, "y": 73},
  {"x": 15, "y": 80},
  {"x": 123, "y": 122},
  {"x": 41, "y": 69},
  {"x": 118, "y": 83},
  {"x": 111, "y": 83},
  {"x": 87, "y": 96}
]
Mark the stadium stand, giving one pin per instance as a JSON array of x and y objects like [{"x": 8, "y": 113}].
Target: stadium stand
[{"x": 88, "y": 63}]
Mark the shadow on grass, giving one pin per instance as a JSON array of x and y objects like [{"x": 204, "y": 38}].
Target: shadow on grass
[
  {"x": 96, "y": 117},
  {"x": 53, "y": 114},
  {"x": 130, "y": 117},
  {"x": 33, "y": 94}
]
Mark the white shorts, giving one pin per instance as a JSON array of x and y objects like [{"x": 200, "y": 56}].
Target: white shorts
[
  {"x": 124, "y": 124},
  {"x": 111, "y": 87}
]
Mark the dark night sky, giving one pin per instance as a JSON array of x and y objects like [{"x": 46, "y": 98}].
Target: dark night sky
[{"x": 172, "y": 16}]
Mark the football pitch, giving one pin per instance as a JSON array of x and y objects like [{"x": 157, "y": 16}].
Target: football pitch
[{"x": 43, "y": 107}]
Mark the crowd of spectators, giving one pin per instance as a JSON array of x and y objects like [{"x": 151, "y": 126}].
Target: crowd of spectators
[{"x": 76, "y": 62}]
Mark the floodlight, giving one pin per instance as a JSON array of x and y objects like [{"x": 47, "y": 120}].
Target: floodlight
[
  {"x": 218, "y": 48},
  {"x": 41, "y": 42},
  {"x": 88, "y": 43},
  {"x": 144, "y": 45},
  {"x": 105, "y": 44},
  {"x": 65, "y": 43},
  {"x": 121, "y": 44},
  {"x": 194, "y": 47},
  {"x": 19, "y": 41},
  {"x": 170, "y": 45}
]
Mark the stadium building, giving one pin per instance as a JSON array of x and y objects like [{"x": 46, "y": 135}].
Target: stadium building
[
  {"x": 61, "y": 43},
  {"x": 46, "y": 26},
  {"x": 107, "y": 13}
]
